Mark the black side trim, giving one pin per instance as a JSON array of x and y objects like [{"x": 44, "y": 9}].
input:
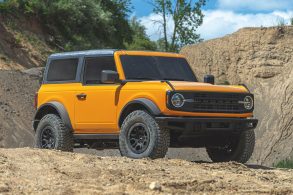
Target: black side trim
[
  {"x": 169, "y": 83},
  {"x": 96, "y": 136},
  {"x": 123, "y": 82},
  {"x": 58, "y": 107},
  {"x": 151, "y": 107}
]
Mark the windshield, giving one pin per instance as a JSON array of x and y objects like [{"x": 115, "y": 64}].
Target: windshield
[{"x": 156, "y": 68}]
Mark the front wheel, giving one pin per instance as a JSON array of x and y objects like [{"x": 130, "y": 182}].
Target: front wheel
[
  {"x": 141, "y": 137},
  {"x": 238, "y": 148},
  {"x": 51, "y": 133}
]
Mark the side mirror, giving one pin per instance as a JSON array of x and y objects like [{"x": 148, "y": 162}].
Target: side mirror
[
  {"x": 109, "y": 77},
  {"x": 209, "y": 79}
]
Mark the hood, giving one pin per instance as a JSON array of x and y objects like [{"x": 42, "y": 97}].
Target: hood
[{"x": 197, "y": 86}]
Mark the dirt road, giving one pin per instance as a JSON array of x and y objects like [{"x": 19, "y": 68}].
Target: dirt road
[{"x": 45, "y": 172}]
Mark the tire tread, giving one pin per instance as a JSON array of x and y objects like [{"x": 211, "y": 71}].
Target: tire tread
[
  {"x": 163, "y": 136},
  {"x": 64, "y": 135},
  {"x": 243, "y": 151}
]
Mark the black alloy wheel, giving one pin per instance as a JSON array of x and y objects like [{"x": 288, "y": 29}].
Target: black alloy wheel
[
  {"x": 138, "y": 138},
  {"x": 47, "y": 138}
]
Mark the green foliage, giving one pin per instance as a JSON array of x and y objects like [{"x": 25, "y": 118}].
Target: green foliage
[
  {"x": 140, "y": 39},
  {"x": 7, "y": 6},
  {"x": 18, "y": 39},
  {"x": 186, "y": 17},
  {"x": 287, "y": 163},
  {"x": 291, "y": 21},
  {"x": 80, "y": 24}
]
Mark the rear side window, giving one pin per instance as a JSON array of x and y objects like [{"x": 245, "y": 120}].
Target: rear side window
[
  {"x": 62, "y": 70},
  {"x": 94, "y": 66}
]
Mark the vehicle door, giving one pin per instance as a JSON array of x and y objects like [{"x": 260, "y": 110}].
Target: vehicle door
[{"x": 95, "y": 105}]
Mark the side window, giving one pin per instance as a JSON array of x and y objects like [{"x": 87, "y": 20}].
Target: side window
[
  {"x": 93, "y": 67},
  {"x": 62, "y": 70}
]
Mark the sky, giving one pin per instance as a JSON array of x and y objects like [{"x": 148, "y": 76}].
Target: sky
[{"x": 223, "y": 17}]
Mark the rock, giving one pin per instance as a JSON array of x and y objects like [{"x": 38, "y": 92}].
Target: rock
[
  {"x": 4, "y": 188},
  {"x": 155, "y": 186},
  {"x": 35, "y": 72}
]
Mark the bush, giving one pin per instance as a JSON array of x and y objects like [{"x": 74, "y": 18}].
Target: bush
[
  {"x": 84, "y": 24},
  {"x": 287, "y": 163},
  {"x": 80, "y": 24},
  {"x": 8, "y": 6},
  {"x": 140, "y": 39}
]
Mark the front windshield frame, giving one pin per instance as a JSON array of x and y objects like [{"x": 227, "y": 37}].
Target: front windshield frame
[{"x": 158, "y": 73}]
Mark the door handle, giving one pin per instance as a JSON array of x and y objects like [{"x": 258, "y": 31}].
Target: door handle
[{"x": 81, "y": 96}]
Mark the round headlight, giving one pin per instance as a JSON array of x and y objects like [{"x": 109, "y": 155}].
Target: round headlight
[
  {"x": 177, "y": 100},
  {"x": 248, "y": 102}
]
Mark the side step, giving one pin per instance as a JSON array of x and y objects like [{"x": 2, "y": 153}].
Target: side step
[{"x": 96, "y": 136}]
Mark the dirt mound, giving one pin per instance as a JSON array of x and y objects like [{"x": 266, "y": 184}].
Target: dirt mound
[
  {"x": 32, "y": 171},
  {"x": 17, "y": 91},
  {"x": 262, "y": 59},
  {"x": 23, "y": 43}
]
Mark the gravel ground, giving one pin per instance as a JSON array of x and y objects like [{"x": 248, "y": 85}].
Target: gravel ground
[{"x": 33, "y": 171}]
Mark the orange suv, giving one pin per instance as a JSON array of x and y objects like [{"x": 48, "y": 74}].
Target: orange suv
[{"x": 142, "y": 103}]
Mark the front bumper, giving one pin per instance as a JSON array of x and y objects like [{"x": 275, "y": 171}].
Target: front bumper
[{"x": 195, "y": 125}]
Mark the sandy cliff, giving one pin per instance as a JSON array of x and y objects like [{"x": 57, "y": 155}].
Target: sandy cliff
[{"x": 261, "y": 58}]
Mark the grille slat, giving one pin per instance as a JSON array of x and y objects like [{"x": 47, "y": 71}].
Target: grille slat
[
  {"x": 212, "y": 102},
  {"x": 216, "y": 102}
]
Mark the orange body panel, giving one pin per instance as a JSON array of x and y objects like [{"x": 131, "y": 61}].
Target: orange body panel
[{"x": 100, "y": 112}]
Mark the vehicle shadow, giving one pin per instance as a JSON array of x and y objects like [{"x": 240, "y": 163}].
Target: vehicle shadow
[{"x": 250, "y": 166}]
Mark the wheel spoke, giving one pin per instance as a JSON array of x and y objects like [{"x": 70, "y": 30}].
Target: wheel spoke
[
  {"x": 47, "y": 138},
  {"x": 133, "y": 142},
  {"x": 138, "y": 147},
  {"x": 138, "y": 138}
]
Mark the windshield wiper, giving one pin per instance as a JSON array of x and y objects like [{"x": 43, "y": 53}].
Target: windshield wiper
[
  {"x": 136, "y": 79},
  {"x": 141, "y": 78}
]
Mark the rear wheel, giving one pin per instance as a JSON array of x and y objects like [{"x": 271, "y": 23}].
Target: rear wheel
[
  {"x": 239, "y": 148},
  {"x": 51, "y": 133},
  {"x": 141, "y": 137}
]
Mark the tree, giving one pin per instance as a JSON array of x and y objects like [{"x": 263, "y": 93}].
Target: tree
[
  {"x": 186, "y": 16},
  {"x": 140, "y": 40},
  {"x": 80, "y": 24},
  {"x": 119, "y": 10}
]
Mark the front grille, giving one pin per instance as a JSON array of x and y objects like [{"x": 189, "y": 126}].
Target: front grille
[{"x": 211, "y": 102}]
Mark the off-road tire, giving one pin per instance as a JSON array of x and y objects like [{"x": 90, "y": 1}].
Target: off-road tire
[
  {"x": 241, "y": 150},
  {"x": 159, "y": 139},
  {"x": 62, "y": 135}
]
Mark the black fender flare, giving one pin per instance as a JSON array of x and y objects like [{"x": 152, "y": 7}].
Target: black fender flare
[
  {"x": 150, "y": 106},
  {"x": 58, "y": 108}
]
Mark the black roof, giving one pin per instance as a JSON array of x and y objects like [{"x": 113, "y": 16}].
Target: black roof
[{"x": 84, "y": 53}]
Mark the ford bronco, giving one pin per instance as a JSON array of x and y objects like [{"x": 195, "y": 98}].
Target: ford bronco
[{"x": 142, "y": 103}]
